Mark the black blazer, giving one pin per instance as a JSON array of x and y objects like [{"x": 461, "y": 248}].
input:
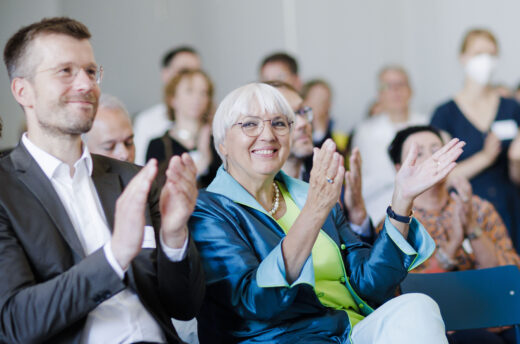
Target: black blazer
[{"x": 48, "y": 286}]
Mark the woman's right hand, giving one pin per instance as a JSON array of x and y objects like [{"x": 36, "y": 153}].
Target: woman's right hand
[{"x": 326, "y": 178}]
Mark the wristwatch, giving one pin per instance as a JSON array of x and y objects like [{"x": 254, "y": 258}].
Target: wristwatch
[
  {"x": 476, "y": 233},
  {"x": 400, "y": 218}
]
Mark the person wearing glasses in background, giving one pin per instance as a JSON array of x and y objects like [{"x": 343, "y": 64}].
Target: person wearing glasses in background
[
  {"x": 256, "y": 227},
  {"x": 91, "y": 253}
]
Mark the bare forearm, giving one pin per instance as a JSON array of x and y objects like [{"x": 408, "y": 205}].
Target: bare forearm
[
  {"x": 472, "y": 166},
  {"x": 484, "y": 251},
  {"x": 514, "y": 171},
  {"x": 401, "y": 206}
]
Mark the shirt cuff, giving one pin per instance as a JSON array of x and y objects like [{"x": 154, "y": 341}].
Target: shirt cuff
[
  {"x": 174, "y": 254},
  {"x": 363, "y": 229},
  {"x": 419, "y": 243},
  {"x": 271, "y": 271},
  {"x": 112, "y": 260}
]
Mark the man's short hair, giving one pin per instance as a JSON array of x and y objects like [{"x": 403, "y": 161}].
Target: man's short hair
[
  {"x": 281, "y": 85},
  {"x": 108, "y": 101},
  {"x": 396, "y": 147},
  {"x": 170, "y": 55},
  {"x": 15, "y": 51},
  {"x": 284, "y": 58}
]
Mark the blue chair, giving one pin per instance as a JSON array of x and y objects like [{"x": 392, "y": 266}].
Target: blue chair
[{"x": 472, "y": 299}]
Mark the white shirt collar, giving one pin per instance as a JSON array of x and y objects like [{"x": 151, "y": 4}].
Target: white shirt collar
[{"x": 49, "y": 163}]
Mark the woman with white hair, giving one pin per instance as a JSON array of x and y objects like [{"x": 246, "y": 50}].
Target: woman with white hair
[{"x": 281, "y": 263}]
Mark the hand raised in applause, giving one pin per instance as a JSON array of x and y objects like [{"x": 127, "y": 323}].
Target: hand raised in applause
[
  {"x": 129, "y": 220},
  {"x": 353, "y": 197},
  {"x": 177, "y": 200},
  {"x": 326, "y": 178}
]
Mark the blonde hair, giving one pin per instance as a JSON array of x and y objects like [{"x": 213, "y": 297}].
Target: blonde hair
[{"x": 471, "y": 34}]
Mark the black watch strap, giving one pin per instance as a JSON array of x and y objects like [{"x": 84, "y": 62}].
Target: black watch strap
[{"x": 400, "y": 218}]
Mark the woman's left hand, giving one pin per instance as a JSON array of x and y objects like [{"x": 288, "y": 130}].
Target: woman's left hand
[{"x": 413, "y": 179}]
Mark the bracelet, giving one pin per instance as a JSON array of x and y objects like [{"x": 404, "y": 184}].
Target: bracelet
[{"x": 401, "y": 218}]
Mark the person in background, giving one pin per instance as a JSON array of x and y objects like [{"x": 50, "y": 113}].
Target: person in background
[
  {"x": 111, "y": 133},
  {"x": 468, "y": 231},
  {"x": 154, "y": 121},
  {"x": 281, "y": 66},
  {"x": 256, "y": 227},
  {"x": 374, "y": 134},
  {"x": 188, "y": 97},
  {"x": 489, "y": 125},
  {"x": 317, "y": 94}
]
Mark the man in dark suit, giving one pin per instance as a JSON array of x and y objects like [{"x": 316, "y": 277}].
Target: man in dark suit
[{"x": 89, "y": 251}]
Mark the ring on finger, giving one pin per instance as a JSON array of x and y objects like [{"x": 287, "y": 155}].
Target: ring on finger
[{"x": 330, "y": 180}]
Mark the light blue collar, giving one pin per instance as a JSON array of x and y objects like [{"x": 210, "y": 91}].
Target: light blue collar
[{"x": 226, "y": 185}]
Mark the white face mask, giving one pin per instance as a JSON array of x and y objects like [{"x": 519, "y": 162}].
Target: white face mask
[{"x": 480, "y": 68}]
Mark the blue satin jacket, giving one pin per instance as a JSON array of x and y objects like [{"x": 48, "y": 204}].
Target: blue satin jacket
[{"x": 248, "y": 299}]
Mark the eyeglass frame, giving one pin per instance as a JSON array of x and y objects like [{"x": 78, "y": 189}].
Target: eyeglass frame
[
  {"x": 262, "y": 126},
  {"x": 306, "y": 112},
  {"x": 57, "y": 69}
]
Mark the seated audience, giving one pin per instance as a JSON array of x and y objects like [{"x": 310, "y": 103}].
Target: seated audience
[
  {"x": 317, "y": 94},
  {"x": 154, "y": 121},
  {"x": 280, "y": 67},
  {"x": 302, "y": 148},
  {"x": 489, "y": 124},
  {"x": 188, "y": 97},
  {"x": 468, "y": 232},
  {"x": 374, "y": 134},
  {"x": 111, "y": 133},
  {"x": 256, "y": 228},
  {"x": 90, "y": 251}
]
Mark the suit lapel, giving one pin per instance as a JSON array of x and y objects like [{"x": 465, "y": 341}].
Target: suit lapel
[
  {"x": 108, "y": 187},
  {"x": 30, "y": 174}
]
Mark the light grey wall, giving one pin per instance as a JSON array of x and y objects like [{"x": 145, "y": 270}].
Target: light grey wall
[{"x": 345, "y": 42}]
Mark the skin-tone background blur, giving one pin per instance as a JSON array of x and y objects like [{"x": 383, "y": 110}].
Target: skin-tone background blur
[{"x": 344, "y": 42}]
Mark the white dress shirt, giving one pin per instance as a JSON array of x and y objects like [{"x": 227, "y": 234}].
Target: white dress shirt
[{"x": 122, "y": 318}]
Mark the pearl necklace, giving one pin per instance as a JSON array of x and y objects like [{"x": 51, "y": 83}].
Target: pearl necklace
[{"x": 276, "y": 200}]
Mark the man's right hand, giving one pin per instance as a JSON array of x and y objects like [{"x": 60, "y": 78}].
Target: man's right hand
[{"x": 127, "y": 238}]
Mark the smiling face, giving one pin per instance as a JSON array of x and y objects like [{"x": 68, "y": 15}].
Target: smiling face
[
  {"x": 255, "y": 158},
  {"x": 54, "y": 101}
]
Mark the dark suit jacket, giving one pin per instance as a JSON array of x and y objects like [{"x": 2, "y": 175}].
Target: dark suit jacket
[{"x": 48, "y": 286}]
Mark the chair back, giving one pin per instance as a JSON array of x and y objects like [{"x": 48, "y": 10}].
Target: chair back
[{"x": 474, "y": 298}]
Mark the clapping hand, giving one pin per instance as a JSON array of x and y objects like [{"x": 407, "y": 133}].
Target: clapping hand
[
  {"x": 353, "y": 197},
  {"x": 177, "y": 200}
]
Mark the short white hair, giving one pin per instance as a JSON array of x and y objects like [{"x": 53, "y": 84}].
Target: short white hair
[
  {"x": 108, "y": 101},
  {"x": 251, "y": 99}
]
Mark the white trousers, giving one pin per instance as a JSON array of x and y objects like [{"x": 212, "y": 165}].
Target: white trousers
[{"x": 409, "y": 318}]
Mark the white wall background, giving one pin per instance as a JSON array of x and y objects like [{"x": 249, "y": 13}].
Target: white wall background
[{"x": 343, "y": 41}]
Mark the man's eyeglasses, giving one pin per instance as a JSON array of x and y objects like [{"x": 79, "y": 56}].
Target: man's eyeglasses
[
  {"x": 253, "y": 126},
  {"x": 67, "y": 73},
  {"x": 305, "y": 112}
]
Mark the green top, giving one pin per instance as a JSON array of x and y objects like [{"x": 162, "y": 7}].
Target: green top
[{"x": 329, "y": 271}]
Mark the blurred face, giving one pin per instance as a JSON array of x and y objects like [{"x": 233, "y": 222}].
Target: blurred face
[
  {"x": 191, "y": 97},
  {"x": 427, "y": 144},
  {"x": 112, "y": 135},
  {"x": 62, "y": 94},
  {"x": 319, "y": 99},
  {"x": 181, "y": 61},
  {"x": 302, "y": 145},
  {"x": 278, "y": 71},
  {"x": 395, "y": 92},
  {"x": 255, "y": 158},
  {"x": 478, "y": 45}
]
